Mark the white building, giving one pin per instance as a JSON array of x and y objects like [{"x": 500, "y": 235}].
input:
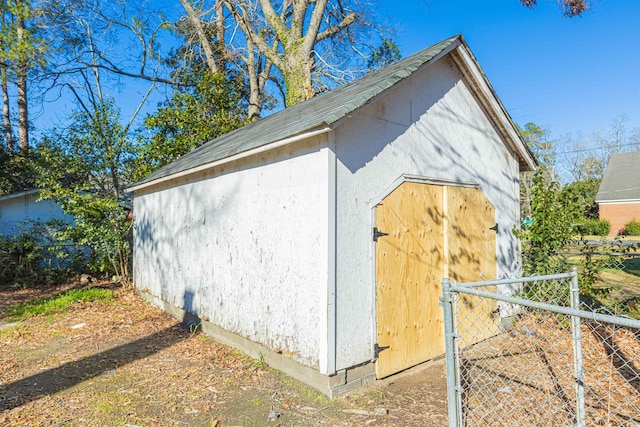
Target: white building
[
  {"x": 17, "y": 208},
  {"x": 270, "y": 235}
]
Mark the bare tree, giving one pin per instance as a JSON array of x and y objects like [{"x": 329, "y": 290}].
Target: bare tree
[
  {"x": 209, "y": 27},
  {"x": 287, "y": 33},
  {"x": 205, "y": 41},
  {"x": 586, "y": 157},
  {"x": 119, "y": 37}
]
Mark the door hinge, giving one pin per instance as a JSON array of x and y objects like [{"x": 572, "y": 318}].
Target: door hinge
[
  {"x": 377, "y": 233},
  {"x": 494, "y": 228},
  {"x": 377, "y": 349}
]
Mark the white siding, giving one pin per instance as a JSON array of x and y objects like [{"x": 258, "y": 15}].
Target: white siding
[
  {"x": 245, "y": 248},
  {"x": 26, "y": 207},
  {"x": 432, "y": 126}
]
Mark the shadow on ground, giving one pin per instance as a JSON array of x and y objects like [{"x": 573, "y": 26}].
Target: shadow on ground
[{"x": 67, "y": 375}]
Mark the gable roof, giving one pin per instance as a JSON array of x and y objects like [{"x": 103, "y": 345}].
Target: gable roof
[
  {"x": 621, "y": 180},
  {"x": 325, "y": 112}
]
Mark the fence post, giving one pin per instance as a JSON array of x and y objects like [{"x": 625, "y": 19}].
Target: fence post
[
  {"x": 577, "y": 350},
  {"x": 451, "y": 369}
]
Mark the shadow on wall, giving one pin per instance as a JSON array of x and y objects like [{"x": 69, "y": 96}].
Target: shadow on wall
[
  {"x": 180, "y": 231},
  {"x": 179, "y": 213},
  {"x": 158, "y": 232},
  {"x": 458, "y": 146},
  {"x": 475, "y": 164},
  {"x": 161, "y": 233},
  {"x": 385, "y": 131}
]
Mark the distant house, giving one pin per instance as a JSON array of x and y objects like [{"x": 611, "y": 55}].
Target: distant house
[
  {"x": 618, "y": 197},
  {"x": 17, "y": 208},
  {"x": 318, "y": 237}
]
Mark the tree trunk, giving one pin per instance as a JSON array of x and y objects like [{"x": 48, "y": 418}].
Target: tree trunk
[
  {"x": 21, "y": 71},
  {"x": 8, "y": 135},
  {"x": 297, "y": 80},
  {"x": 220, "y": 40},
  {"x": 296, "y": 36},
  {"x": 6, "y": 109},
  {"x": 255, "y": 100}
]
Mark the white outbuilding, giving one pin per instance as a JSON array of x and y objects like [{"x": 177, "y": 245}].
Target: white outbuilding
[
  {"x": 317, "y": 237},
  {"x": 25, "y": 207}
]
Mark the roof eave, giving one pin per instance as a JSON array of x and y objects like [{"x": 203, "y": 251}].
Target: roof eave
[
  {"x": 618, "y": 201},
  {"x": 257, "y": 150},
  {"x": 329, "y": 124},
  {"x": 20, "y": 194}
]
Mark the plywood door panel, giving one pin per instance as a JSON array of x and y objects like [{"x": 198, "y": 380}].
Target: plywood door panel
[
  {"x": 434, "y": 232},
  {"x": 409, "y": 268},
  {"x": 471, "y": 257}
]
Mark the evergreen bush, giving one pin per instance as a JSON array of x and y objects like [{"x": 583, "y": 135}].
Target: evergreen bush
[
  {"x": 593, "y": 227},
  {"x": 632, "y": 228}
]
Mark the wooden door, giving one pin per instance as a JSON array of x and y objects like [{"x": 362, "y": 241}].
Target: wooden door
[
  {"x": 471, "y": 236},
  {"x": 432, "y": 231},
  {"x": 409, "y": 266}
]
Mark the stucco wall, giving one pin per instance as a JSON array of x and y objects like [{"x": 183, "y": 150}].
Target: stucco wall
[
  {"x": 431, "y": 126},
  {"x": 26, "y": 207},
  {"x": 619, "y": 214},
  {"x": 245, "y": 247}
]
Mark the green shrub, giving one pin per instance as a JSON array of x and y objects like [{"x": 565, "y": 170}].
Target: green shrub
[
  {"x": 593, "y": 227},
  {"x": 35, "y": 255},
  {"x": 632, "y": 228},
  {"x": 551, "y": 229}
]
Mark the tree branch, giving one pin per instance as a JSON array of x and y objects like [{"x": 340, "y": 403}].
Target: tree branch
[
  {"x": 260, "y": 43},
  {"x": 274, "y": 20},
  {"x": 135, "y": 113},
  {"x": 202, "y": 36},
  {"x": 332, "y": 31}
]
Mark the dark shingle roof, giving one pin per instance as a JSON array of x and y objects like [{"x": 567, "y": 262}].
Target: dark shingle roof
[
  {"x": 621, "y": 180},
  {"x": 324, "y": 109}
]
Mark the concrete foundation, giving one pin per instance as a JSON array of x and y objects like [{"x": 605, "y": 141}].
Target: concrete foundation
[{"x": 332, "y": 386}]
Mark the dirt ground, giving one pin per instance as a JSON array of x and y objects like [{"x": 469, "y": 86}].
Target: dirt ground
[{"x": 127, "y": 363}]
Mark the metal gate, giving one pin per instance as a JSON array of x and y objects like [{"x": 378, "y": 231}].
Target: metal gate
[{"x": 556, "y": 360}]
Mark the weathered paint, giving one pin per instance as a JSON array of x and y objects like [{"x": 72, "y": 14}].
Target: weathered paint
[
  {"x": 17, "y": 208},
  {"x": 430, "y": 125},
  {"x": 245, "y": 247}
]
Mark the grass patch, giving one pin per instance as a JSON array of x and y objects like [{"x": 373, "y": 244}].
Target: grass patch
[{"x": 57, "y": 304}]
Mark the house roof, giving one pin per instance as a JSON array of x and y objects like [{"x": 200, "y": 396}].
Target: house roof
[
  {"x": 621, "y": 180},
  {"x": 321, "y": 113},
  {"x": 19, "y": 194}
]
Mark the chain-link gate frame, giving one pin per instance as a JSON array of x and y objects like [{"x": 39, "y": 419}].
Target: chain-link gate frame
[{"x": 521, "y": 374}]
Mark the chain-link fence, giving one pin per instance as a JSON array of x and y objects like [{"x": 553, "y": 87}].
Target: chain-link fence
[
  {"x": 609, "y": 270},
  {"x": 528, "y": 351}
]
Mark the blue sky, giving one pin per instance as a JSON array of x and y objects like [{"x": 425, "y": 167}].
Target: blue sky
[{"x": 568, "y": 75}]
